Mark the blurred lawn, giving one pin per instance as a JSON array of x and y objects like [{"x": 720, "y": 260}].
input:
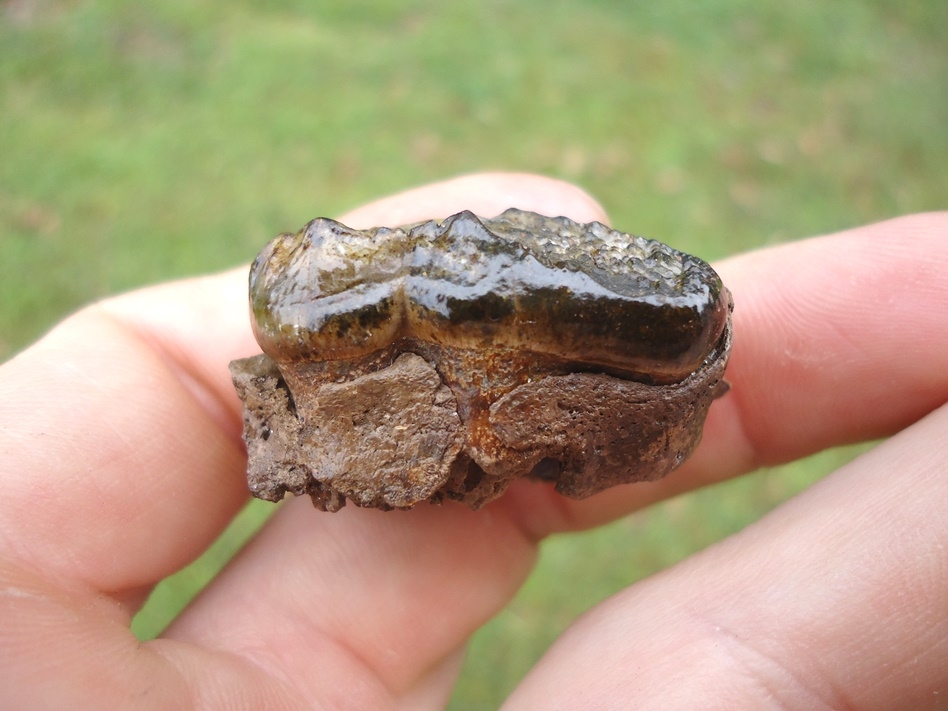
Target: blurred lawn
[{"x": 144, "y": 142}]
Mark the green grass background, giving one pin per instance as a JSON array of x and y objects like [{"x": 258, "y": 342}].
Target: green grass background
[{"x": 141, "y": 142}]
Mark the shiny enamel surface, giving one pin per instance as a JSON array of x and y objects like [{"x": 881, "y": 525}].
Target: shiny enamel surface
[{"x": 583, "y": 293}]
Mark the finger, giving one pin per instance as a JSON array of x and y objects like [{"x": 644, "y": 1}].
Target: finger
[
  {"x": 106, "y": 453},
  {"x": 62, "y": 649},
  {"x": 837, "y": 339},
  {"x": 485, "y": 194},
  {"x": 838, "y": 599},
  {"x": 386, "y": 596}
]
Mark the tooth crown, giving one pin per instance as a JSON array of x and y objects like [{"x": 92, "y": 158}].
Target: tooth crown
[{"x": 583, "y": 293}]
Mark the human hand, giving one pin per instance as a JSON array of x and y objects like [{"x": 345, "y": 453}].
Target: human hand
[{"x": 121, "y": 461}]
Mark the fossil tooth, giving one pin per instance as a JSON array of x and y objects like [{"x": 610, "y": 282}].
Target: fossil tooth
[{"x": 539, "y": 346}]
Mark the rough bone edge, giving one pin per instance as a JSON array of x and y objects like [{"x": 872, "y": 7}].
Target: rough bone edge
[{"x": 393, "y": 438}]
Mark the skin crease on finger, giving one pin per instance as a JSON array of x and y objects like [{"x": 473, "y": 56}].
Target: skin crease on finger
[{"x": 274, "y": 625}]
